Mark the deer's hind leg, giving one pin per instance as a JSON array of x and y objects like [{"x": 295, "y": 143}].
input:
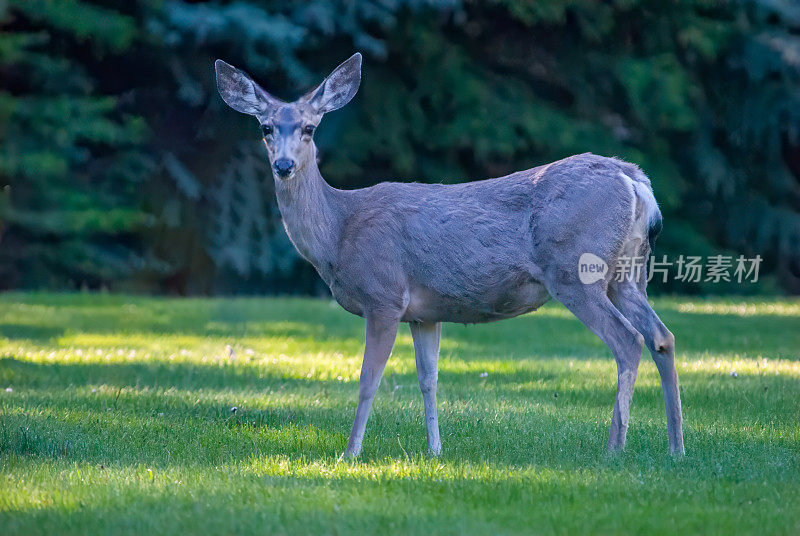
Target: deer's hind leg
[
  {"x": 631, "y": 299},
  {"x": 592, "y": 307}
]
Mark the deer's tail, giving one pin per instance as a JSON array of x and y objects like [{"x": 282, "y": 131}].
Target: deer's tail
[{"x": 655, "y": 222}]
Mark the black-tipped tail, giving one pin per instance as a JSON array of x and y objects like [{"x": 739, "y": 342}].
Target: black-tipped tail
[{"x": 656, "y": 224}]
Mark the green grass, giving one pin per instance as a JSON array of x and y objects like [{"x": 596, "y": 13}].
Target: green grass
[{"x": 119, "y": 421}]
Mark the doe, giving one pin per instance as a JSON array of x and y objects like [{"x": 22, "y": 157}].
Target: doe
[{"x": 473, "y": 252}]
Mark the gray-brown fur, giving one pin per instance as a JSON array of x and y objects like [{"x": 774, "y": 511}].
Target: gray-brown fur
[{"x": 473, "y": 252}]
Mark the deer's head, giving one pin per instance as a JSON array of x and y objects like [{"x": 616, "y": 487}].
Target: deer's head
[{"x": 288, "y": 127}]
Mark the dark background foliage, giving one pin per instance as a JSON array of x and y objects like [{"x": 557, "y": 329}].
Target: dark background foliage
[{"x": 123, "y": 169}]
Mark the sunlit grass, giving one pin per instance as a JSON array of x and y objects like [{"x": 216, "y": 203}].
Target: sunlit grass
[
  {"x": 117, "y": 416},
  {"x": 741, "y": 308}
]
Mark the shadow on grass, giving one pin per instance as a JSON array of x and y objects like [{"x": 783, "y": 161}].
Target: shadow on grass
[
  {"x": 262, "y": 509},
  {"x": 721, "y": 393},
  {"x": 537, "y": 336},
  {"x": 32, "y": 332},
  {"x": 179, "y": 414},
  {"x": 263, "y": 499}
]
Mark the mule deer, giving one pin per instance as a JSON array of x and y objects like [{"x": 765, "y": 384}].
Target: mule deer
[{"x": 473, "y": 252}]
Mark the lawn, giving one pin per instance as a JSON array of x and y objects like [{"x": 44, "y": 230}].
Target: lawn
[{"x": 117, "y": 416}]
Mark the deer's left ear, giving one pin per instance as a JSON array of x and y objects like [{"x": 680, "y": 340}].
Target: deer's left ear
[{"x": 338, "y": 88}]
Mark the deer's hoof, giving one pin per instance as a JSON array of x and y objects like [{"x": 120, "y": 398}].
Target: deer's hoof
[
  {"x": 351, "y": 454},
  {"x": 679, "y": 452}
]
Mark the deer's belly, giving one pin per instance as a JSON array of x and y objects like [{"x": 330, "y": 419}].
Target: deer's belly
[
  {"x": 428, "y": 305},
  {"x": 503, "y": 292}
]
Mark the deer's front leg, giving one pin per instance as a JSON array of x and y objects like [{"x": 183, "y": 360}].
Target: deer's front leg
[
  {"x": 426, "y": 349},
  {"x": 381, "y": 333}
]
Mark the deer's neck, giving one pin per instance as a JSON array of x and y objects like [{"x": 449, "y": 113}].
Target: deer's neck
[{"x": 313, "y": 214}]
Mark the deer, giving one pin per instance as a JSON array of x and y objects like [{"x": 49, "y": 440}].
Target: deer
[{"x": 471, "y": 252}]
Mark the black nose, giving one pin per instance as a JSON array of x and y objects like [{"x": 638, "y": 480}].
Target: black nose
[{"x": 283, "y": 166}]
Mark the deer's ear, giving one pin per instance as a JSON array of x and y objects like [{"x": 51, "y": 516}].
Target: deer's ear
[
  {"x": 239, "y": 91},
  {"x": 338, "y": 88}
]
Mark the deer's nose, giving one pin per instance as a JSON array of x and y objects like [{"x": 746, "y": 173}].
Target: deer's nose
[{"x": 283, "y": 166}]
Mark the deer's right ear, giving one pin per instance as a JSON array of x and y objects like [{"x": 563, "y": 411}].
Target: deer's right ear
[{"x": 239, "y": 91}]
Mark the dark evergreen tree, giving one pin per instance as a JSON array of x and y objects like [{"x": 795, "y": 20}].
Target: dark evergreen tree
[
  {"x": 126, "y": 168},
  {"x": 70, "y": 152}
]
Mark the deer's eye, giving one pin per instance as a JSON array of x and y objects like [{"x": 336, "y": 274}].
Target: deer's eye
[
  {"x": 266, "y": 130},
  {"x": 308, "y": 130}
]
